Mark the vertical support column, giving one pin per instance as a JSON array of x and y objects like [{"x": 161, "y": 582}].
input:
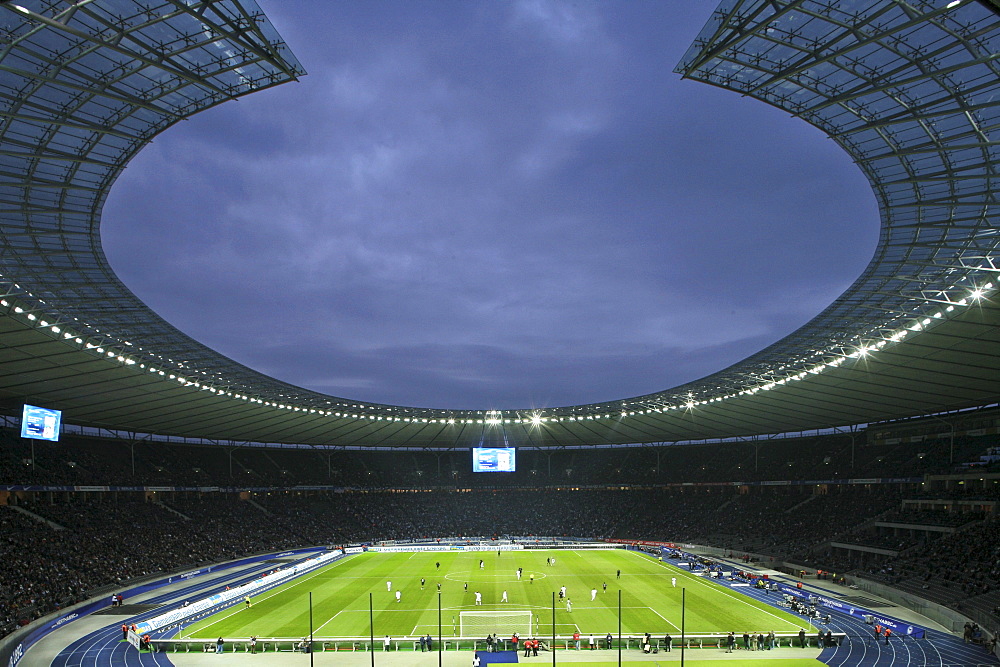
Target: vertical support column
[
  {"x": 553, "y": 627},
  {"x": 371, "y": 625},
  {"x": 619, "y": 627}
]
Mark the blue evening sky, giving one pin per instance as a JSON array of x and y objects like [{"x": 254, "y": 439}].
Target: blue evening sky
[{"x": 490, "y": 205}]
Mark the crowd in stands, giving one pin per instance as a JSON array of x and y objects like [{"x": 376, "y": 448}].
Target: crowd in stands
[
  {"x": 109, "y": 538},
  {"x": 876, "y": 539},
  {"x": 931, "y": 518},
  {"x": 631, "y": 493},
  {"x": 77, "y": 460},
  {"x": 968, "y": 561}
]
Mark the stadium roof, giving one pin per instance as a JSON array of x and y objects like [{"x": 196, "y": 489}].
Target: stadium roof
[{"x": 911, "y": 90}]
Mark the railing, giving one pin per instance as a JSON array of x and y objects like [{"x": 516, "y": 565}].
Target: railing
[{"x": 564, "y": 642}]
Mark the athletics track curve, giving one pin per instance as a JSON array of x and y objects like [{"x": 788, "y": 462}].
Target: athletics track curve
[{"x": 105, "y": 646}]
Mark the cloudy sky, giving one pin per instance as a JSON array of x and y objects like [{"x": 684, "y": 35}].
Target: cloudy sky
[{"x": 490, "y": 205}]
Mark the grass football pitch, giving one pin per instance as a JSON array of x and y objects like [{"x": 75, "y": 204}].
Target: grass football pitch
[{"x": 649, "y": 600}]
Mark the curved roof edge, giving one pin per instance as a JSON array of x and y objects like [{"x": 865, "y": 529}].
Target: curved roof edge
[{"x": 907, "y": 90}]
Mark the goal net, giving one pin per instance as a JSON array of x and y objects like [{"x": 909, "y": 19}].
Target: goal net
[{"x": 503, "y": 623}]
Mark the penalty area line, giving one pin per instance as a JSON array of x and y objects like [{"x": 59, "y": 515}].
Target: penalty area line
[
  {"x": 664, "y": 618},
  {"x": 328, "y": 621}
]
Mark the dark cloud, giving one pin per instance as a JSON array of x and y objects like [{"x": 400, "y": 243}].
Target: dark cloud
[{"x": 490, "y": 205}]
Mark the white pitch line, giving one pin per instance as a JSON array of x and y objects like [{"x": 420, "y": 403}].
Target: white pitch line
[
  {"x": 316, "y": 631},
  {"x": 275, "y": 591},
  {"x": 664, "y": 618},
  {"x": 734, "y": 596}
]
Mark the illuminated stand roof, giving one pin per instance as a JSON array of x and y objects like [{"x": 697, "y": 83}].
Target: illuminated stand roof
[{"x": 910, "y": 90}]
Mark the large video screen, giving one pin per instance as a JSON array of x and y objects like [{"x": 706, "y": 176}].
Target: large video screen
[
  {"x": 40, "y": 423},
  {"x": 493, "y": 459}
]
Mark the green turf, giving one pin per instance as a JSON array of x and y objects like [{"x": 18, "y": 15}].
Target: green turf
[{"x": 649, "y": 603}]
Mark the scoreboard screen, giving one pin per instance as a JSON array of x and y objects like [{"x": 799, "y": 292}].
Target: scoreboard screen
[
  {"x": 40, "y": 423},
  {"x": 493, "y": 459}
]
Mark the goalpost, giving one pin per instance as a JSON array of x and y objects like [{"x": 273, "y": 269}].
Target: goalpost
[{"x": 503, "y": 623}]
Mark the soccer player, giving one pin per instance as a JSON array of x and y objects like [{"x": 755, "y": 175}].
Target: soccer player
[
  {"x": 247, "y": 601},
  {"x": 437, "y": 565},
  {"x": 504, "y": 597},
  {"x": 618, "y": 575},
  {"x": 481, "y": 565},
  {"x": 569, "y": 605},
  {"x": 388, "y": 587},
  {"x": 673, "y": 580},
  {"x": 605, "y": 587},
  {"x": 531, "y": 578},
  {"x": 518, "y": 573},
  {"x": 593, "y": 594},
  {"x": 399, "y": 596},
  {"x": 479, "y": 598},
  {"x": 421, "y": 583}
]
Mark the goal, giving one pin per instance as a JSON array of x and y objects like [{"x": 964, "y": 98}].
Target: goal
[{"x": 503, "y": 623}]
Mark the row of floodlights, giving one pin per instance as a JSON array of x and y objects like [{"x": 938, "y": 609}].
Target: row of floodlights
[{"x": 494, "y": 417}]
